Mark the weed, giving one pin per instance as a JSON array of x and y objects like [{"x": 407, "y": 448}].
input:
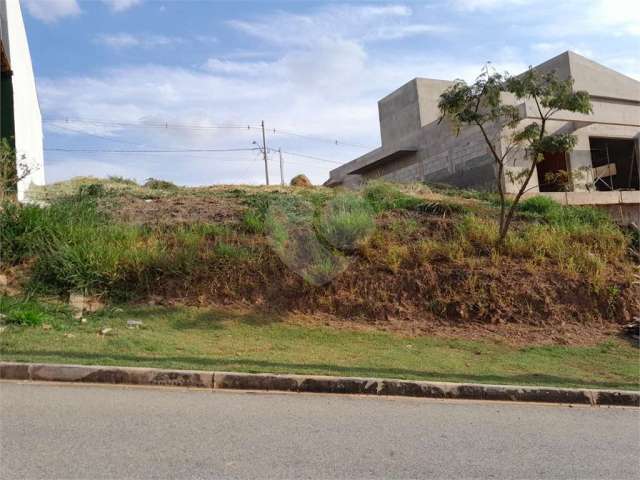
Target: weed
[
  {"x": 231, "y": 252},
  {"x": 395, "y": 256},
  {"x": 253, "y": 221},
  {"x": 155, "y": 184},
  {"x": 441, "y": 208},
  {"x": 91, "y": 190},
  {"x": 386, "y": 196},
  {"x": 29, "y": 312},
  {"x": 122, "y": 180},
  {"x": 613, "y": 295},
  {"x": 346, "y": 221}
]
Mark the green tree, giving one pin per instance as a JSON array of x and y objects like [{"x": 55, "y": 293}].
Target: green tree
[{"x": 482, "y": 105}]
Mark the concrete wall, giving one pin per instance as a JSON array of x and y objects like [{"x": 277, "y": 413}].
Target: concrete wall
[
  {"x": 409, "y": 121},
  {"x": 27, "y": 117},
  {"x": 409, "y": 108}
]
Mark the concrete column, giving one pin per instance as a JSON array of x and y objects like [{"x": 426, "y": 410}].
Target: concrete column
[{"x": 580, "y": 162}]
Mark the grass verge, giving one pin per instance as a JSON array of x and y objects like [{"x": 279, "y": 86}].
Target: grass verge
[{"x": 189, "y": 338}]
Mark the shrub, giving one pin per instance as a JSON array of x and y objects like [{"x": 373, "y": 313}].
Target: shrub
[
  {"x": 386, "y": 196},
  {"x": 91, "y": 190},
  {"x": 346, "y": 220},
  {"x": 156, "y": 184}
]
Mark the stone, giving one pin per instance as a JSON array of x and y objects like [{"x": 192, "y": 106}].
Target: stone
[
  {"x": 82, "y": 303},
  {"x": 46, "y": 326},
  {"x": 134, "y": 324},
  {"x": 301, "y": 181},
  {"x": 105, "y": 331}
]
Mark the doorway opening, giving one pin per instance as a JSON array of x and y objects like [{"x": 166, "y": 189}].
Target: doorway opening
[
  {"x": 615, "y": 164},
  {"x": 553, "y": 172}
]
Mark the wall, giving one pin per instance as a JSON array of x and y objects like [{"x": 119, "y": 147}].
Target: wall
[
  {"x": 409, "y": 122},
  {"x": 27, "y": 117}
]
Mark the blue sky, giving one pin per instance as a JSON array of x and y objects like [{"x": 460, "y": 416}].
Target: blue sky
[{"x": 111, "y": 73}]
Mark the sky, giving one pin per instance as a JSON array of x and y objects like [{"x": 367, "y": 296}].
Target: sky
[{"x": 140, "y": 84}]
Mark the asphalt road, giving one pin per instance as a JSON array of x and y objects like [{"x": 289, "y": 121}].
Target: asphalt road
[{"x": 80, "y": 431}]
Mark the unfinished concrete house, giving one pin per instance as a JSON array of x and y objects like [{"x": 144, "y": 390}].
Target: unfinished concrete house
[{"x": 416, "y": 147}]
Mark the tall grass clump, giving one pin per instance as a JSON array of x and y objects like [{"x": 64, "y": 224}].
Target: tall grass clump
[
  {"x": 29, "y": 230},
  {"x": 386, "y": 196},
  {"x": 156, "y": 184},
  {"x": 72, "y": 245},
  {"x": 345, "y": 221},
  {"x": 30, "y": 313},
  {"x": 570, "y": 217}
]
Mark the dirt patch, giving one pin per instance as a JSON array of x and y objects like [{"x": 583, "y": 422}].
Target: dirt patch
[{"x": 177, "y": 209}]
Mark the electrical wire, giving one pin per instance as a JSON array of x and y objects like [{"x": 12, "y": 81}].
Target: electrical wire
[{"x": 185, "y": 150}]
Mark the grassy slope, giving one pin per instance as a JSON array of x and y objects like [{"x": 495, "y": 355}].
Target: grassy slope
[
  {"x": 432, "y": 250},
  {"x": 223, "y": 340}
]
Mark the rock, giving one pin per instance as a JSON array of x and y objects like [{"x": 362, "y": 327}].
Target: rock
[
  {"x": 82, "y": 303},
  {"x": 134, "y": 324},
  {"x": 46, "y": 326},
  {"x": 105, "y": 331},
  {"x": 69, "y": 335},
  {"x": 301, "y": 181},
  {"x": 3, "y": 318},
  {"x": 2, "y": 328},
  {"x": 83, "y": 320}
]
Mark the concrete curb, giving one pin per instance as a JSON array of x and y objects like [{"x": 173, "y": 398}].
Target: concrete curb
[{"x": 312, "y": 383}]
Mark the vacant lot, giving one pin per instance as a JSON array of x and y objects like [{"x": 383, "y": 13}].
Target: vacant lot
[{"x": 406, "y": 259}]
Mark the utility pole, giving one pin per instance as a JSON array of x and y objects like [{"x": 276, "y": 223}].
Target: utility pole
[
  {"x": 281, "y": 167},
  {"x": 264, "y": 153}
]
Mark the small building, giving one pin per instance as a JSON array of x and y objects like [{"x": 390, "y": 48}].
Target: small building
[
  {"x": 416, "y": 146},
  {"x": 20, "y": 121}
]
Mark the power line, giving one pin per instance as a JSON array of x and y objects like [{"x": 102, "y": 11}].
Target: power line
[
  {"x": 186, "y": 150},
  {"x": 246, "y": 126},
  {"x": 311, "y": 157},
  {"x": 319, "y": 139},
  {"x": 101, "y": 137},
  {"x": 165, "y": 125}
]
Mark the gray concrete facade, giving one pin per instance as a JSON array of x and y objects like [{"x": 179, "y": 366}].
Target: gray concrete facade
[{"x": 416, "y": 146}]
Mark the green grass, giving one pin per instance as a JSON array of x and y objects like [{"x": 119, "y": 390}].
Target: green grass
[
  {"x": 222, "y": 340},
  {"x": 345, "y": 221},
  {"x": 388, "y": 196}
]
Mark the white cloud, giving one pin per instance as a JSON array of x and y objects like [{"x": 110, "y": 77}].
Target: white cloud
[
  {"x": 121, "y": 5},
  {"x": 472, "y": 5},
  {"x": 128, "y": 40},
  {"x": 50, "y": 11},
  {"x": 343, "y": 22},
  {"x": 223, "y": 66},
  {"x": 616, "y": 17}
]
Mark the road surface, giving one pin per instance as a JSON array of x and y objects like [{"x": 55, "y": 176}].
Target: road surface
[{"x": 81, "y": 431}]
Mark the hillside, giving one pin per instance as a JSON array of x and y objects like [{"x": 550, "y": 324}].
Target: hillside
[{"x": 411, "y": 259}]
